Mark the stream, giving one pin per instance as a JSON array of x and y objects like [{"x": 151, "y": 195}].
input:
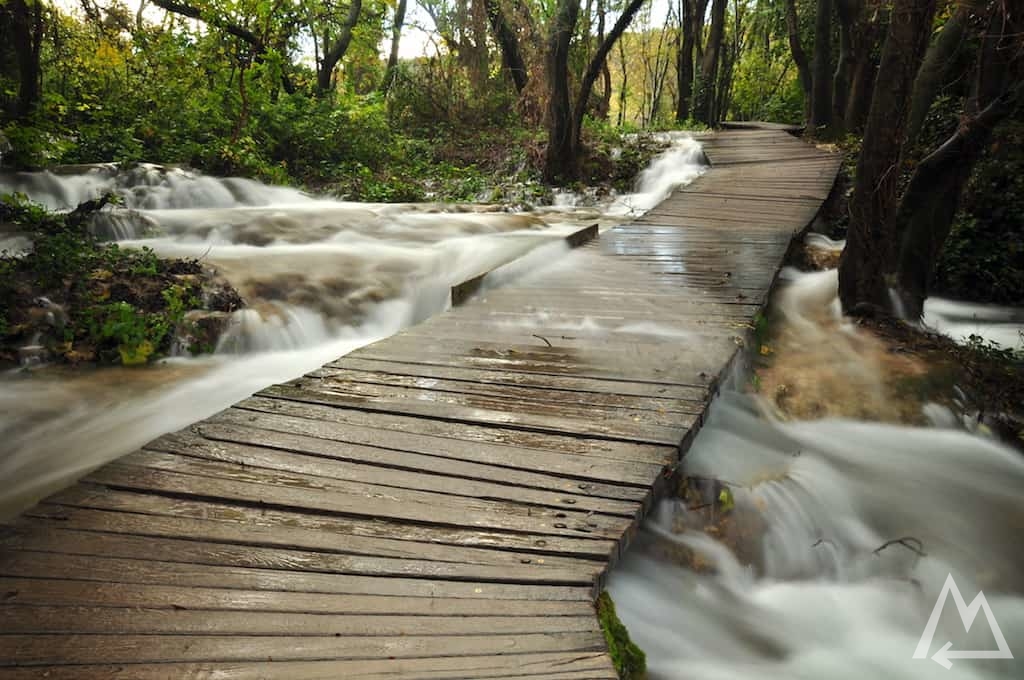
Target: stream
[{"x": 840, "y": 539}]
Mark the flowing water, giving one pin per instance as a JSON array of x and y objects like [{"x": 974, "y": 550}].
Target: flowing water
[
  {"x": 840, "y": 540},
  {"x": 320, "y": 279}
]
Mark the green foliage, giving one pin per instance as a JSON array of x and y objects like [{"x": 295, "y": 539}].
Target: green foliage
[
  {"x": 122, "y": 305},
  {"x": 629, "y": 660},
  {"x": 983, "y": 259}
]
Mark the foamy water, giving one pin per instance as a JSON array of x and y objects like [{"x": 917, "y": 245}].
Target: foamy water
[{"x": 824, "y": 590}]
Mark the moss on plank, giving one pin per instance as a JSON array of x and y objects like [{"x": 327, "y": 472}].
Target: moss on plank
[{"x": 629, "y": 660}]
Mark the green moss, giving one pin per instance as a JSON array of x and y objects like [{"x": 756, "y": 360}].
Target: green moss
[{"x": 629, "y": 660}]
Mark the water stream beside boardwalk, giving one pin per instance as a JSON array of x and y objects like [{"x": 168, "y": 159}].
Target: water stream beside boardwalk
[
  {"x": 320, "y": 279},
  {"x": 812, "y": 595}
]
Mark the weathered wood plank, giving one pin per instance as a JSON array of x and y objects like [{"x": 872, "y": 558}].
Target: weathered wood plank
[{"x": 553, "y": 665}]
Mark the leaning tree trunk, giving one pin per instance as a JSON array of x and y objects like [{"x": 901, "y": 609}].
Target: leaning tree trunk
[
  {"x": 929, "y": 205},
  {"x": 803, "y": 66},
  {"x": 705, "y": 104},
  {"x": 865, "y": 262},
  {"x": 684, "y": 61},
  {"x": 560, "y": 157},
  {"x": 933, "y": 70},
  {"x": 597, "y": 62},
  {"x": 821, "y": 90},
  {"x": 336, "y": 50},
  {"x": 508, "y": 43}
]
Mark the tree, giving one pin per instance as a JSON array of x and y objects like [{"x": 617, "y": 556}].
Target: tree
[
  {"x": 684, "y": 59},
  {"x": 397, "y": 22},
  {"x": 334, "y": 45},
  {"x": 565, "y": 117},
  {"x": 821, "y": 68},
  {"x": 930, "y": 202},
  {"x": 865, "y": 265},
  {"x": 799, "y": 56},
  {"x": 705, "y": 103},
  {"x": 23, "y": 22}
]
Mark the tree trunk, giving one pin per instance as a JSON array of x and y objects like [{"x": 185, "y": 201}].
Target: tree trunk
[
  {"x": 336, "y": 50},
  {"x": 560, "y": 158},
  {"x": 930, "y": 203},
  {"x": 865, "y": 263},
  {"x": 684, "y": 61},
  {"x": 861, "y": 90},
  {"x": 709, "y": 67},
  {"x": 821, "y": 90},
  {"x": 508, "y": 43},
  {"x": 396, "y": 35},
  {"x": 27, "y": 24},
  {"x": 933, "y": 70},
  {"x": 803, "y": 67},
  {"x": 848, "y": 11}
]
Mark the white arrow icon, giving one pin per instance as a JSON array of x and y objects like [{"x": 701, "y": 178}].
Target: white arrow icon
[{"x": 967, "y": 615}]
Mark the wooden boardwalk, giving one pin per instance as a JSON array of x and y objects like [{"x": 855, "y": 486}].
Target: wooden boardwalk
[{"x": 441, "y": 504}]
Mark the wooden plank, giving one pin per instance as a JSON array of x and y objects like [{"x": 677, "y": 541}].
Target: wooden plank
[
  {"x": 581, "y": 466},
  {"x": 292, "y": 538},
  {"x": 318, "y": 458},
  {"x": 414, "y": 506},
  {"x": 42, "y": 536},
  {"x": 87, "y": 496},
  {"x": 517, "y": 439},
  {"x": 98, "y": 568},
  {"x": 29, "y": 650},
  {"x": 500, "y": 378},
  {"x": 50, "y": 620},
  {"x": 641, "y": 427},
  {"x": 554, "y": 665},
  {"x": 27, "y": 591}
]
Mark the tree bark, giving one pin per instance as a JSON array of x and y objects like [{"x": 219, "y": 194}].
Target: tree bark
[
  {"x": 930, "y": 203},
  {"x": 560, "y": 157},
  {"x": 709, "y": 66},
  {"x": 684, "y": 61},
  {"x": 508, "y": 43},
  {"x": 864, "y": 268},
  {"x": 821, "y": 90},
  {"x": 336, "y": 50},
  {"x": 396, "y": 35},
  {"x": 27, "y": 25},
  {"x": 803, "y": 66},
  {"x": 848, "y": 11},
  {"x": 933, "y": 71}
]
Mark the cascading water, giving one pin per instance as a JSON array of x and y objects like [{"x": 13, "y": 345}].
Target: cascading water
[
  {"x": 320, "y": 279},
  {"x": 828, "y": 542}
]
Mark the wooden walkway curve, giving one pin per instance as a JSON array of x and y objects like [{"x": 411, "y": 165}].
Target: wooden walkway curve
[{"x": 441, "y": 504}]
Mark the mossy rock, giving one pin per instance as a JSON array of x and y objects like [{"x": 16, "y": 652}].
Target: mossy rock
[{"x": 629, "y": 660}]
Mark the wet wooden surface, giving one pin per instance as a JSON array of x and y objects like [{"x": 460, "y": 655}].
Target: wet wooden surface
[{"x": 444, "y": 503}]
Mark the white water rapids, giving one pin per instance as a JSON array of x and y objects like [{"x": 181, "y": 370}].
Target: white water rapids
[
  {"x": 320, "y": 279},
  {"x": 818, "y": 596}
]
